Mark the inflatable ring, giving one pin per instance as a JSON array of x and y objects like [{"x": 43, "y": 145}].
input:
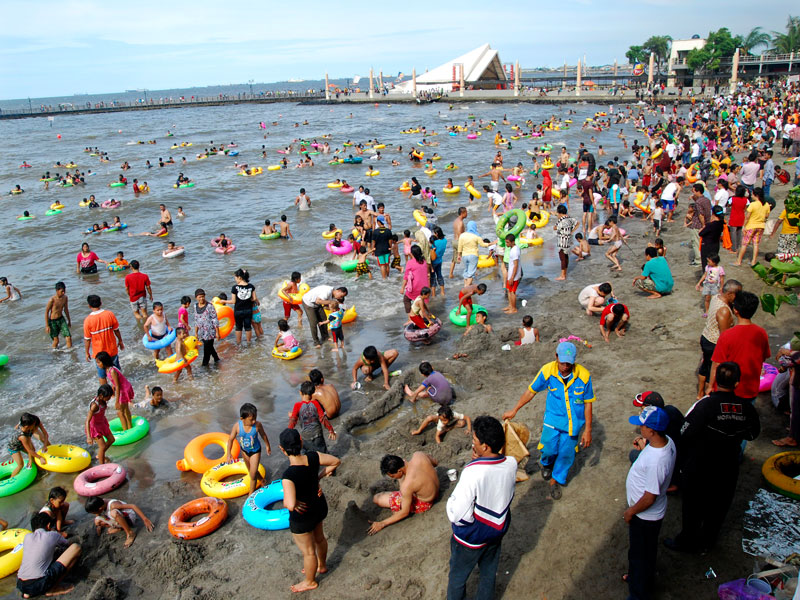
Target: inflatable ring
[
  {"x": 183, "y": 185},
  {"x": 52, "y": 212},
  {"x": 349, "y": 266},
  {"x": 290, "y": 354},
  {"x": 453, "y": 168},
  {"x": 63, "y": 458},
  {"x": 349, "y": 315},
  {"x": 414, "y": 334},
  {"x": 114, "y": 268},
  {"x": 555, "y": 193},
  {"x": 12, "y": 485},
  {"x": 329, "y": 235},
  {"x": 25, "y": 218},
  {"x": 471, "y": 189},
  {"x": 768, "y": 375},
  {"x": 345, "y": 248},
  {"x": 548, "y": 164},
  {"x": 171, "y": 364},
  {"x": 255, "y": 510},
  {"x": 100, "y": 480},
  {"x": 124, "y": 437},
  {"x": 692, "y": 173},
  {"x": 224, "y": 318},
  {"x": 544, "y": 218},
  {"x": 295, "y": 298},
  {"x": 485, "y": 261},
  {"x": 379, "y": 146},
  {"x": 459, "y": 317},
  {"x": 3, "y": 360},
  {"x": 346, "y": 190},
  {"x": 420, "y": 217},
  {"x": 372, "y": 173},
  {"x": 161, "y": 343},
  {"x": 642, "y": 207},
  {"x": 253, "y": 171},
  {"x": 430, "y": 171},
  {"x": 453, "y": 190},
  {"x": 274, "y": 168},
  {"x": 335, "y": 186},
  {"x": 194, "y": 458},
  {"x": 270, "y": 236},
  {"x": 117, "y": 228},
  {"x": 404, "y": 188},
  {"x": 212, "y": 484},
  {"x": 11, "y": 539},
  {"x": 117, "y": 184},
  {"x": 776, "y": 471},
  {"x": 537, "y": 241},
  {"x": 657, "y": 153},
  {"x": 174, "y": 253},
  {"x": 501, "y": 230},
  {"x": 183, "y": 528},
  {"x": 56, "y": 206}
]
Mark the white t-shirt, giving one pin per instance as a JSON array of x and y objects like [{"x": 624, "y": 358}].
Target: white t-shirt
[
  {"x": 357, "y": 196},
  {"x": 370, "y": 202},
  {"x": 564, "y": 182},
  {"x": 658, "y": 213},
  {"x": 669, "y": 191},
  {"x": 321, "y": 292},
  {"x": 456, "y": 417},
  {"x": 671, "y": 150},
  {"x": 513, "y": 256},
  {"x": 695, "y": 150},
  {"x": 721, "y": 198},
  {"x": 651, "y": 472},
  {"x": 495, "y": 198}
]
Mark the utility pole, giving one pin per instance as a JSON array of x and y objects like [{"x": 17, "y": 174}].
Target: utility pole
[
  {"x": 250, "y": 83},
  {"x": 30, "y": 106}
]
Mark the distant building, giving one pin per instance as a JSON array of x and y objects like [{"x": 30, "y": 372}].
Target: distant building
[
  {"x": 482, "y": 70},
  {"x": 678, "y": 72}
]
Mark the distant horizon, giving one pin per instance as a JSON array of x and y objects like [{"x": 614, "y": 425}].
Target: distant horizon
[{"x": 75, "y": 48}]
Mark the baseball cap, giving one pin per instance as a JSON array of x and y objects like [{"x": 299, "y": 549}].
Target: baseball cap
[
  {"x": 566, "y": 352},
  {"x": 649, "y": 399},
  {"x": 653, "y": 417},
  {"x": 382, "y": 219}
]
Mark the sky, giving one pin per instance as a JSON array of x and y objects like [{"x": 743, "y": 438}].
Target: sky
[{"x": 65, "y": 47}]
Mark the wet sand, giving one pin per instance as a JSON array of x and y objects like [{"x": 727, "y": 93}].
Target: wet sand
[{"x": 573, "y": 548}]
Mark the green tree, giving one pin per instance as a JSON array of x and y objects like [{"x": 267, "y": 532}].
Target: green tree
[
  {"x": 635, "y": 54},
  {"x": 719, "y": 44},
  {"x": 755, "y": 39},
  {"x": 658, "y": 45},
  {"x": 785, "y": 43}
]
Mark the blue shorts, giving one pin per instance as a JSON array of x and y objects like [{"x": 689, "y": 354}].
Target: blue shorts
[
  {"x": 470, "y": 265},
  {"x": 101, "y": 373},
  {"x": 40, "y": 585},
  {"x": 668, "y": 205}
]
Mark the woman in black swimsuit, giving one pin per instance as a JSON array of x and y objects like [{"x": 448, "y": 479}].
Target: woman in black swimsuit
[{"x": 307, "y": 506}]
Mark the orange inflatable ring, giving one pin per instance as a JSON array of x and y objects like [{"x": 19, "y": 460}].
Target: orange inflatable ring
[
  {"x": 194, "y": 458},
  {"x": 692, "y": 174},
  {"x": 225, "y": 318},
  {"x": 182, "y": 528}
]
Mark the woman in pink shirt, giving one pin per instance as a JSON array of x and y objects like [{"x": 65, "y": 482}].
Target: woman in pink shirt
[
  {"x": 415, "y": 277},
  {"x": 87, "y": 260}
]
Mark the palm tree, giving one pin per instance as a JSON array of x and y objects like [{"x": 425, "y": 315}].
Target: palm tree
[
  {"x": 785, "y": 43},
  {"x": 755, "y": 39},
  {"x": 658, "y": 45},
  {"x": 635, "y": 54}
]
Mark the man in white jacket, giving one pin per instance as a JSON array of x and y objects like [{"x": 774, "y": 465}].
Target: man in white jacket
[{"x": 480, "y": 510}]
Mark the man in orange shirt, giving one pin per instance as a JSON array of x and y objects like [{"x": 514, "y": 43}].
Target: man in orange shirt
[{"x": 101, "y": 333}]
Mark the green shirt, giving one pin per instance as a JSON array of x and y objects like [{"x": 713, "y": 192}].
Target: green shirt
[{"x": 657, "y": 269}]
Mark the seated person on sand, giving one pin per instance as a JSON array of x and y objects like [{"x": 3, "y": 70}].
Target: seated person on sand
[
  {"x": 39, "y": 574},
  {"x": 325, "y": 393},
  {"x": 419, "y": 488},
  {"x": 446, "y": 419},
  {"x": 594, "y": 297},
  {"x": 372, "y": 360},
  {"x": 115, "y": 516},
  {"x": 656, "y": 278},
  {"x": 435, "y": 386}
]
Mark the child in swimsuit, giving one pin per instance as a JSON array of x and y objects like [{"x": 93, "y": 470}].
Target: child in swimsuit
[
  {"x": 407, "y": 244},
  {"x": 183, "y": 313},
  {"x": 335, "y": 324},
  {"x": 123, "y": 390},
  {"x": 157, "y": 326},
  {"x": 21, "y": 441},
  {"x": 362, "y": 267},
  {"x": 180, "y": 354},
  {"x": 292, "y": 288},
  {"x": 394, "y": 248},
  {"x": 247, "y": 431},
  {"x": 58, "y": 507},
  {"x": 285, "y": 339},
  {"x": 96, "y": 425}
]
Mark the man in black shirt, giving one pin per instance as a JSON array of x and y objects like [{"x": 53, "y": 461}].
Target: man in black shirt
[
  {"x": 381, "y": 238},
  {"x": 711, "y": 445}
]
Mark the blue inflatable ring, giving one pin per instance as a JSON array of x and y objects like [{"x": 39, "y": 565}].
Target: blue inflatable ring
[
  {"x": 162, "y": 343},
  {"x": 255, "y": 510}
]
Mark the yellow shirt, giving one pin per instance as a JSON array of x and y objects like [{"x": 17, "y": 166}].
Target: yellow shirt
[
  {"x": 758, "y": 214},
  {"x": 468, "y": 244},
  {"x": 787, "y": 229}
]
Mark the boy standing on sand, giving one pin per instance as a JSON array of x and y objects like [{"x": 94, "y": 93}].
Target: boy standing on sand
[{"x": 57, "y": 308}]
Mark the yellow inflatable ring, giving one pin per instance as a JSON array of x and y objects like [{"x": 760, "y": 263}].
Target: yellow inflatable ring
[
  {"x": 295, "y": 298},
  {"x": 349, "y": 315},
  {"x": 329, "y": 235},
  {"x": 63, "y": 458},
  {"x": 485, "y": 261},
  {"x": 379, "y": 146},
  {"x": 11, "y": 539},
  {"x": 224, "y": 317},
  {"x": 213, "y": 485},
  {"x": 692, "y": 174},
  {"x": 544, "y": 217},
  {"x": 420, "y": 218},
  {"x": 56, "y": 206},
  {"x": 453, "y": 190},
  {"x": 404, "y": 188},
  {"x": 657, "y": 153},
  {"x": 372, "y": 173},
  {"x": 471, "y": 189},
  {"x": 449, "y": 168},
  {"x": 775, "y": 471},
  {"x": 555, "y": 193},
  {"x": 289, "y": 354},
  {"x": 537, "y": 241},
  {"x": 548, "y": 164},
  {"x": 335, "y": 186},
  {"x": 430, "y": 172},
  {"x": 637, "y": 202},
  {"x": 274, "y": 168},
  {"x": 436, "y": 158}
]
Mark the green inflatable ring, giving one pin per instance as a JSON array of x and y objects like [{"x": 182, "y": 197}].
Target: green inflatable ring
[
  {"x": 52, "y": 212},
  {"x": 117, "y": 184},
  {"x": 270, "y": 236},
  {"x": 122, "y": 438},
  {"x": 3, "y": 360},
  {"x": 784, "y": 267},
  {"x": 12, "y": 485},
  {"x": 24, "y": 218},
  {"x": 349, "y": 266},
  {"x": 522, "y": 219},
  {"x": 459, "y": 318}
]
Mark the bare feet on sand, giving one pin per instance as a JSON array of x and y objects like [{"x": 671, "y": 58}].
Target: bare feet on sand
[
  {"x": 304, "y": 586},
  {"x": 129, "y": 540}
]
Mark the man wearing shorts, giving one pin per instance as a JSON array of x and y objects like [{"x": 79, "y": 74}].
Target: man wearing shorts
[
  {"x": 496, "y": 173},
  {"x": 565, "y": 226},
  {"x": 458, "y": 229},
  {"x": 670, "y": 195},
  {"x": 419, "y": 488},
  {"x": 514, "y": 274},
  {"x": 55, "y": 312},
  {"x": 382, "y": 238},
  {"x": 138, "y": 287},
  {"x": 101, "y": 334}
]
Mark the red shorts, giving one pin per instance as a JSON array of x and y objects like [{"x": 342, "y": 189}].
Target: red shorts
[
  {"x": 512, "y": 286},
  {"x": 418, "y": 321},
  {"x": 417, "y": 505},
  {"x": 465, "y": 302}
]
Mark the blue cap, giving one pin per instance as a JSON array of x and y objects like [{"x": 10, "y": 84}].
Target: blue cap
[
  {"x": 381, "y": 219},
  {"x": 566, "y": 352},
  {"x": 653, "y": 417}
]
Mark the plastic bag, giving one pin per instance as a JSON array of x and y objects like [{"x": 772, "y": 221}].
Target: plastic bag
[{"x": 739, "y": 590}]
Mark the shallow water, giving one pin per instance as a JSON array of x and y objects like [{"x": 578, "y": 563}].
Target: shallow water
[{"x": 59, "y": 385}]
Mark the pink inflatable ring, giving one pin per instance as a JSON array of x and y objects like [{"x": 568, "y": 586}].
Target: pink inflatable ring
[
  {"x": 768, "y": 375},
  {"x": 345, "y": 247},
  {"x": 100, "y": 480}
]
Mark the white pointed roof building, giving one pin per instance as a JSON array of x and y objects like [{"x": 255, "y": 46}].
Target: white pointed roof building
[{"x": 480, "y": 65}]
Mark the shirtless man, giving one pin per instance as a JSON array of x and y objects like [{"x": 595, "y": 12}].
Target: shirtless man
[
  {"x": 382, "y": 212},
  {"x": 57, "y": 308},
  {"x": 165, "y": 218},
  {"x": 419, "y": 488},
  {"x": 284, "y": 227},
  {"x": 326, "y": 393},
  {"x": 369, "y": 222},
  {"x": 458, "y": 229},
  {"x": 496, "y": 173}
]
